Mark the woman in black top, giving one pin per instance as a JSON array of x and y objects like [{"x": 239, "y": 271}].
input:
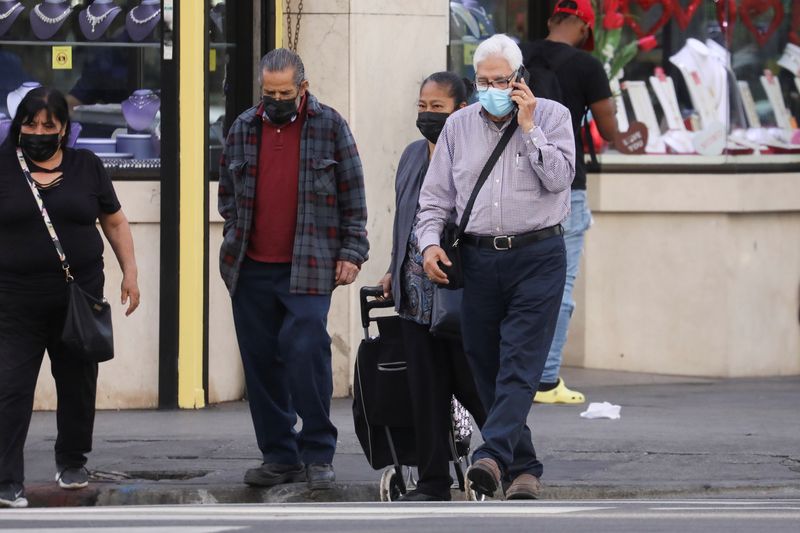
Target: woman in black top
[
  {"x": 437, "y": 368},
  {"x": 77, "y": 193}
]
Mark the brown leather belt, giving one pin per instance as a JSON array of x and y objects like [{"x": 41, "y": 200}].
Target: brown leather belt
[{"x": 507, "y": 242}]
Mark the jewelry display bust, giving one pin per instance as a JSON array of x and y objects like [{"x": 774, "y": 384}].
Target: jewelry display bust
[
  {"x": 140, "y": 109},
  {"x": 98, "y": 16},
  {"x": 15, "y": 97},
  {"x": 9, "y": 11},
  {"x": 48, "y": 17},
  {"x": 706, "y": 78},
  {"x": 143, "y": 19}
]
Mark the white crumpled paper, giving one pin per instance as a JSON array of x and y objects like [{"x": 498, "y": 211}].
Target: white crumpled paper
[{"x": 602, "y": 410}]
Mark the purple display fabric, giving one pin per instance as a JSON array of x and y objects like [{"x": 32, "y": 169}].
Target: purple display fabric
[
  {"x": 5, "y": 126},
  {"x": 74, "y": 132},
  {"x": 140, "y": 109},
  {"x": 104, "y": 11},
  {"x": 60, "y": 12},
  {"x": 10, "y": 11},
  {"x": 142, "y": 20}
]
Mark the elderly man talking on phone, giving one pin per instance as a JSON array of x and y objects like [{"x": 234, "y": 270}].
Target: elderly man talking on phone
[{"x": 512, "y": 251}]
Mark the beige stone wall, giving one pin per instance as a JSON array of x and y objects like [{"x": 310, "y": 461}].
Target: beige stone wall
[
  {"x": 691, "y": 274},
  {"x": 366, "y": 58}
]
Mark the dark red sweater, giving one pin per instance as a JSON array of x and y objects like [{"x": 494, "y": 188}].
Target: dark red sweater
[{"x": 275, "y": 209}]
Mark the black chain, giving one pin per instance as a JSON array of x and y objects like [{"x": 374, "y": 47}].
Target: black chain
[{"x": 293, "y": 44}]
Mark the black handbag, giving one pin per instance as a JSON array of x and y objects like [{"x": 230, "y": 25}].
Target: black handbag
[
  {"x": 451, "y": 236},
  {"x": 446, "y": 313},
  {"x": 87, "y": 333}
]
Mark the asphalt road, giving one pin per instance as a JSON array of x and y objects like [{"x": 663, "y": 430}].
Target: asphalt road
[{"x": 686, "y": 516}]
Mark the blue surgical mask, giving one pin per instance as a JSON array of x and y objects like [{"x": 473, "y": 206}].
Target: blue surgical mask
[{"x": 496, "y": 101}]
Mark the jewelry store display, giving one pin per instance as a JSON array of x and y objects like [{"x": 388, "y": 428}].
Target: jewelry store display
[
  {"x": 643, "y": 109},
  {"x": 773, "y": 90},
  {"x": 48, "y": 17},
  {"x": 140, "y": 109},
  {"x": 15, "y": 97},
  {"x": 706, "y": 78},
  {"x": 143, "y": 19},
  {"x": 9, "y": 11},
  {"x": 97, "y": 18}
]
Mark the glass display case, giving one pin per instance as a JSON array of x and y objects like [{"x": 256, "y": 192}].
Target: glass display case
[
  {"x": 714, "y": 84},
  {"x": 105, "y": 56}
]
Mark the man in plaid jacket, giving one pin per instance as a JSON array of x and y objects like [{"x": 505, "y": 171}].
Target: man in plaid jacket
[{"x": 291, "y": 191}]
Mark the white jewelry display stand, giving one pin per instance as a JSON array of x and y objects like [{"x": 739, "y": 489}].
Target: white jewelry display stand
[
  {"x": 676, "y": 137},
  {"x": 706, "y": 78},
  {"x": 643, "y": 109},
  {"x": 773, "y": 89},
  {"x": 756, "y": 134}
]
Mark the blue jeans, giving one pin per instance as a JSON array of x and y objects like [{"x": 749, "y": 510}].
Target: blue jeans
[
  {"x": 575, "y": 227},
  {"x": 509, "y": 314},
  {"x": 286, "y": 353}
]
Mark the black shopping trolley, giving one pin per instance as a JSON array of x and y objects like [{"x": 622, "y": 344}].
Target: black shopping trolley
[{"x": 381, "y": 405}]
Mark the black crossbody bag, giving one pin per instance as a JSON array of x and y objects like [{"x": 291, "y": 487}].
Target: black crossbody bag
[
  {"x": 87, "y": 332},
  {"x": 451, "y": 236}
]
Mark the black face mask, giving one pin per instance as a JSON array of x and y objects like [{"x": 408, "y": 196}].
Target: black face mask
[
  {"x": 431, "y": 124},
  {"x": 279, "y": 111},
  {"x": 39, "y": 147}
]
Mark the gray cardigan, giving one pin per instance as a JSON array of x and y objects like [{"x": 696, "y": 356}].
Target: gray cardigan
[{"x": 410, "y": 174}]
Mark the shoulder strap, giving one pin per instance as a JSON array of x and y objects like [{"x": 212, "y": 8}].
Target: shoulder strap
[
  {"x": 45, "y": 217},
  {"x": 487, "y": 169}
]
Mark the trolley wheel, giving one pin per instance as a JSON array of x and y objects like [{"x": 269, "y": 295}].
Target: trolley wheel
[
  {"x": 473, "y": 496},
  {"x": 390, "y": 485}
]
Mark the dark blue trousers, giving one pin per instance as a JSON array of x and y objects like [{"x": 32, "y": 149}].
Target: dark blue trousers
[
  {"x": 509, "y": 315},
  {"x": 286, "y": 352}
]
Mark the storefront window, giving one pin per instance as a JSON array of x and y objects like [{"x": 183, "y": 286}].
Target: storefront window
[
  {"x": 714, "y": 83},
  {"x": 105, "y": 56},
  {"x": 472, "y": 21},
  {"x": 711, "y": 82}
]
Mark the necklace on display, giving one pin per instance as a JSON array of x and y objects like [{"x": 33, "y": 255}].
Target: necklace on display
[
  {"x": 140, "y": 101},
  {"x": 7, "y": 14},
  {"x": 50, "y": 20},
  {"x": 94, "y": 21},
  {"x": 145, "y": 20}
]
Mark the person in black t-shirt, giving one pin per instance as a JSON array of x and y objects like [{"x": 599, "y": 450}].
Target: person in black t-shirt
[
  {"x": 584, "y": 85},
  {"x": 76, "y": 192}
]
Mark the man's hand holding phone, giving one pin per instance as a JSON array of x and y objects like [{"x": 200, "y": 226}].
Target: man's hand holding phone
[
  {"x": 431, "y": 258},
  {"x": 526, "y": 101}
]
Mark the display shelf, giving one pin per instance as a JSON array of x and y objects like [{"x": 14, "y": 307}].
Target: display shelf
[
  {"x": 655, "y": 163},
  {"x": 86, "y": 44}
]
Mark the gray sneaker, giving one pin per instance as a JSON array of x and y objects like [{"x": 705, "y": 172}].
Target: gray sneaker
[
  {"x": 73, "y": 477},
  {"x": 12, "y": 495},
  {"x": 320, "y": 476}
]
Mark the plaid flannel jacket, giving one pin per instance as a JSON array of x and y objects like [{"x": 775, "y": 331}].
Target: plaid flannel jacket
[{"x": 331, "y": 210}]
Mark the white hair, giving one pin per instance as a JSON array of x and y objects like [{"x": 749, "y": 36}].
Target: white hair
[{"x": 500, "y": 45}]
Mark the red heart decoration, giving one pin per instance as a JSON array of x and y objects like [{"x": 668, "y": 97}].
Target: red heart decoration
[
  {"x": 749, "y": 10},
  {"x": 794, "y": 27},
  {"x": 726, "y": 16},
  {"x": 646, "y": 5},
  {"x": 684, "y": 16}
]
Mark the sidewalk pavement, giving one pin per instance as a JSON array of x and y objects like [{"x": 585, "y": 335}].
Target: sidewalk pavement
[{"x": 678, "y": 437}]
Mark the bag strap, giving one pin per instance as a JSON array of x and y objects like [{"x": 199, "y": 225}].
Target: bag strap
[
  {"x": 487, "y": 169},
  {"x": 594, "y": 164},
  {"x": 45, "y": 217}
]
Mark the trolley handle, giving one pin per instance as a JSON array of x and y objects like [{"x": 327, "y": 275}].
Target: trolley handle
[{"x": 368, "y": 305}]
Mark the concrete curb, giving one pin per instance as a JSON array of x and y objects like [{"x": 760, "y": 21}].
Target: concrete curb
[{"x": 107, "y": 494}]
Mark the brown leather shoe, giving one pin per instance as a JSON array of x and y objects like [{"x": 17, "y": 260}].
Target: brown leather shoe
[
  {"x": 524, "y": 487},
  {"x": 484, "y": 476}
]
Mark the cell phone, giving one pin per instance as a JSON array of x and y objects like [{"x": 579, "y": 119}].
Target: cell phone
[{"x": 523, "y": 74}]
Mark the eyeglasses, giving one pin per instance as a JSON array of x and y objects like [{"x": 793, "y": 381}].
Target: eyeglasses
[{"x": 503, "y": 83}]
